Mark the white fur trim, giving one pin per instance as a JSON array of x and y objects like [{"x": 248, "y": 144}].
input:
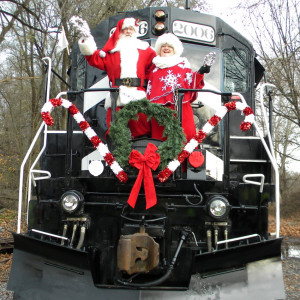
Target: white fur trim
[
  {"x": 107, "y": 103},
  {"x": 129, "y": 58},
  {"x": 143, "y": 45},
  {"x": 170, "y": 39},
  {"x": 126, "y": 95},
  {"x": 129, "y": 22},
  {"x": 87, "y": 45},
  {"x": 102, "y": 53},
  {"x": 169, "y": 61}
]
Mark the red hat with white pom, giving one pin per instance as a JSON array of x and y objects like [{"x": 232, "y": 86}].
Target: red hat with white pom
[{"x": 112, "y": 41}]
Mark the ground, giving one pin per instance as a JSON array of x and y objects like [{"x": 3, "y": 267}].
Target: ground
[{"x": 290, "y": 228}]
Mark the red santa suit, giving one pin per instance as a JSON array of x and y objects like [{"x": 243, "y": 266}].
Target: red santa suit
[
  {"x": 167, "y": 74},
  {"x": 122, "y": 58}
]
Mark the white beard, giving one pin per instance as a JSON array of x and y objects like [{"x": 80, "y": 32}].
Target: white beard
[{"x": 128, "y": 48}]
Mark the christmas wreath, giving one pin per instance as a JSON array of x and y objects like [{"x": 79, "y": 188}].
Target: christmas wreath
[{"x": 121, "y": 136}]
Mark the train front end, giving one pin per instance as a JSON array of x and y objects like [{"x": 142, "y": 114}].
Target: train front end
[{"x": 207, "y": 235}]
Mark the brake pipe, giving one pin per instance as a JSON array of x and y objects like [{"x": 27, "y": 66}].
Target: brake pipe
[
  {"x": 201, "y": 134},
  {"x": 87, "y": 130}
]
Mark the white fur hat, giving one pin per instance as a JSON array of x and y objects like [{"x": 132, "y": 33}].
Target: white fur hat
[
  {"x": 130, "y": 22},
  {"x": 170, "y": 39}
]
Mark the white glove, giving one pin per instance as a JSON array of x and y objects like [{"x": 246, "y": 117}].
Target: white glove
[
  {"x": 209, "y": 59},
  {"x": 81, "y": 26}
]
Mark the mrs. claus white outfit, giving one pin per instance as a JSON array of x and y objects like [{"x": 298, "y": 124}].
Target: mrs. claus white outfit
[
  {"x": 167, "y": 74},
  {"x": 122, "y": 58}
]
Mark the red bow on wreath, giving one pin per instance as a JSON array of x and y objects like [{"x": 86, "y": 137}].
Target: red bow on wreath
[{"x": 150, "y": 160}]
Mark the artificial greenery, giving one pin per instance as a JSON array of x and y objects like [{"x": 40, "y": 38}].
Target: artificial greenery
[{"x": 120, "y": 133}]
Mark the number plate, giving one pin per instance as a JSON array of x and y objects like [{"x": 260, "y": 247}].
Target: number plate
[{"x": 194, "y": 31}]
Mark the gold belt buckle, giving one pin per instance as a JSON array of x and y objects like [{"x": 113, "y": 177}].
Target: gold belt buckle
[{"x": 127, "y": 81}]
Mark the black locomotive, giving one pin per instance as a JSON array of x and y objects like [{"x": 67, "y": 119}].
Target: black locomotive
[{"x": 85, "y": 242}]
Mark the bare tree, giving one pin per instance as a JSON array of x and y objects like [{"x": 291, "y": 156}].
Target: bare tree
[{"x": 275, "y": 27}]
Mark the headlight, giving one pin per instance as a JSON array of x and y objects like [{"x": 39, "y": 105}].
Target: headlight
[
  {"x": 159, "y": 28},
  {"x": 71, "y": 201},
  {"x": 218, "y": 207},
  {"x": 160, "y": 15}
]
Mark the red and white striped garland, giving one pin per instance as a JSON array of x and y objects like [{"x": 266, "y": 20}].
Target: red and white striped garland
[
  {"x": 201, "y": 135},
  {"x": 87, "y": 130},
  {"x": 174, "y": 164}
]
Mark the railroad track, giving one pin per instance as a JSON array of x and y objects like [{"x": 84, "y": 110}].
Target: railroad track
[{"x": 6, "y": 245}]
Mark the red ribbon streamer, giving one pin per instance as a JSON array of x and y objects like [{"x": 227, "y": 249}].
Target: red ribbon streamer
[{"x": 150, "y": 160}]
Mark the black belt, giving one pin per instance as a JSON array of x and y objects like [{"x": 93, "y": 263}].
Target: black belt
[{"x": 136, "y": 82}]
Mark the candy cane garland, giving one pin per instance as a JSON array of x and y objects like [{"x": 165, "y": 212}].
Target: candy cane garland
[
  {"x": 87, "y": 130},
  {"x": 201, "y": 135}
]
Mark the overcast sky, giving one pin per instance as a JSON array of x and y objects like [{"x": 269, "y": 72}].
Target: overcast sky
[{"x": 224, "y": 9}]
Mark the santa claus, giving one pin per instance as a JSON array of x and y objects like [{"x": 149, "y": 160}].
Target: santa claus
[{"x": 126, "y": 60}]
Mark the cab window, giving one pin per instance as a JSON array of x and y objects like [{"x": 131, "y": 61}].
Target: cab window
[{"x": 235, "y": 70}]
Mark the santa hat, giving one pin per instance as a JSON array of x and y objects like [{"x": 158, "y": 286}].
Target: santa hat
[
  {"x": 170, "y": 39},
  {"x": 112, "y": 41}
]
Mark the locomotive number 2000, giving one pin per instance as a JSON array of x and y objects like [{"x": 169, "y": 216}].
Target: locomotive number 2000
[{"x": 194, "y": 31}]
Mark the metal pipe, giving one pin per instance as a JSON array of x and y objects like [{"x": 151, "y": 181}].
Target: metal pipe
[
  {"x": 261, "y": 183},
  {"x": 226, "y": 237},
  {"x": 216, "y": 233},
  {"x": 239, "y": 238},
  {"x": 73, "y": 234},
  {"x": 81, "y": 238},
  {"x": 49, "y": 234},
  {"x": 209, "y": 242},
  {"x": 64, "y": 233}
]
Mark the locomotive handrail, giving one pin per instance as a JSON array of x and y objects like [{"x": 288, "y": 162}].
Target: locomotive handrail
[
  {"x": 273, "y": 162},
  {"x": 49, "y": 234},
  {"x": 48, "y": 175},
  {"x": 93, "y": 90},
  {"x": 205, "y": 91},
  {"x": 40, "y": 154},
  {"x": 277, "y": 183},
  {"x": 238, "y": 239},
  {"x": 265, "y": 116},
  {"x": 261, "y": 183},
  {"x": 21, "y": 178},
  {"x": 22, "y": 175},
  {"x": 179, "y": 90}
]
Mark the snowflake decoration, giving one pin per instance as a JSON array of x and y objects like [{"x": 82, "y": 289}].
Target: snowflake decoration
[
  {"x": 188, "y": 78},
  {"x": 149, "y": 87},
  {"x": 171, "y": 80},
  {"x": 154, "y": 70}
]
